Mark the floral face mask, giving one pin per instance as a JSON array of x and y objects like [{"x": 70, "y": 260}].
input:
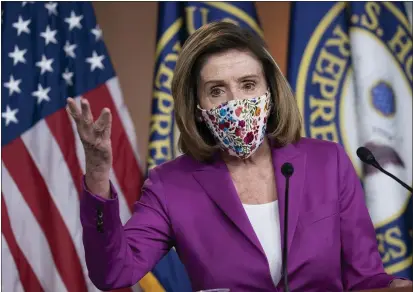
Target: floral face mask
[{"x": 239, "y": 125}]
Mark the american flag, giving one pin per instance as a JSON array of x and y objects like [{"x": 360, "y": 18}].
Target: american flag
[{"x": 51, "y": 51}]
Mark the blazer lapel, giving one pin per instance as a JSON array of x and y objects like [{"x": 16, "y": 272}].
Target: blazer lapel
[
  {"x": 296, "y": 186},
  {"x": 217, "y": 183}
]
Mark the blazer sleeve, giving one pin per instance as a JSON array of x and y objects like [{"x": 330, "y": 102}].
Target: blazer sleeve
[
  {"x": 362, "y": 266},
  {"x": 119, "y": 256}
]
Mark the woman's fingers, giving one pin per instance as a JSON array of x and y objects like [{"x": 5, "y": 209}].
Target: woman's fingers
[
  {"x": 84, "y": 119},
  {"x": 104, "y": 122},
  {"x": 87, "y": 116},
  {"x": 73, "y": 110}
]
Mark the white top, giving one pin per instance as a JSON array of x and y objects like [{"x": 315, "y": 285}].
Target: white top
[{"x": 265, "y": 221}]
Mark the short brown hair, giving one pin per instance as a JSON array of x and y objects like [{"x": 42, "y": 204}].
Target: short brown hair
[{"x": 284, "y": 122}]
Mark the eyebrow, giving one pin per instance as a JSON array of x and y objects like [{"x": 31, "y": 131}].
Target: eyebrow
[{"x": 254, "y": 76}]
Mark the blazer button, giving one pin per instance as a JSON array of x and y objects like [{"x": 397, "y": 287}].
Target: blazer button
[{"x": 99, "y": 226}]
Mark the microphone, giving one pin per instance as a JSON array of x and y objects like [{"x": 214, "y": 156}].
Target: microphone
[
  {"x": 367, "y": 157},
  {"x": 287, "y": 170}
]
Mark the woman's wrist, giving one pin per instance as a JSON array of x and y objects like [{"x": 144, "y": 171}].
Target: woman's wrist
[{"x": 98, "y": 184}]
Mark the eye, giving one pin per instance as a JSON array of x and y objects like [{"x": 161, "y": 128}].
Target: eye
[
  {"x": 215, "y": 92},
  {"x": 249, "y": 85}
]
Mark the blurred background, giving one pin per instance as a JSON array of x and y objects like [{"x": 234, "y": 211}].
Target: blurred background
[{"x": 349, "y": 65}]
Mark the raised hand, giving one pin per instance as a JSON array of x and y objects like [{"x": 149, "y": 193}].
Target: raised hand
[{"x": 95, "y": 137}]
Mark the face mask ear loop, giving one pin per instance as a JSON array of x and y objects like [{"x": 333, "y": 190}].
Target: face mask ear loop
[{"x": 198, "y": 113}]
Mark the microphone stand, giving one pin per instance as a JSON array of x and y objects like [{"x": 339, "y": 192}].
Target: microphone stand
[
  {"x": 377, "y": 165},
  {"x": 284, "y": 255},
  {"x": 367, "y": 157},
  {"x": 287, "y": 170}
]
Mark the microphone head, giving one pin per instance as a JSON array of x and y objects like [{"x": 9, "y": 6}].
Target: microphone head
[
  {"x": 287, "y": 169},
  {"x": 366, "y": 156}
]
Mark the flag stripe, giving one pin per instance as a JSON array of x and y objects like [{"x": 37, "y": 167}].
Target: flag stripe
[
  {"x": 36, "y": 194},
  {"x": 26, "y": 276},
  {"x": 60, "y": 126},
  {"x": 124, "y": 164},
  {"x": 10, "y": 276},
  {"x": 125, "y": 118},
  {"x": 24, "y": 223},
  {"x": 124, "y": 210},
  {"x": 54, "y": 169}
]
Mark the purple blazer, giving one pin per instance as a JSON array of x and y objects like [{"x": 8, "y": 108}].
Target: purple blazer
[{"x": 193, "y": 206}]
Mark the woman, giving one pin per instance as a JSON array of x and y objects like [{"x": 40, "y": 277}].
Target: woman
[{"x": 221, "y": 203}]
